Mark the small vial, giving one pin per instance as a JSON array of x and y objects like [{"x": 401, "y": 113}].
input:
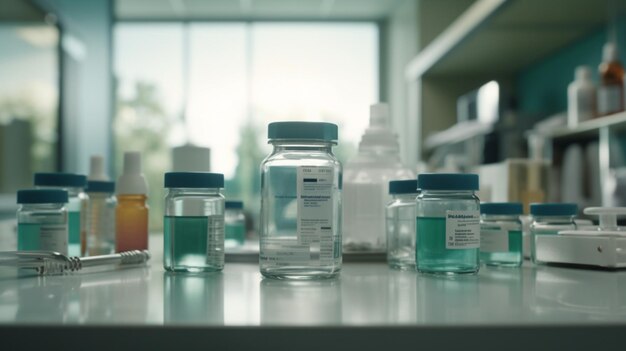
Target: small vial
[
  {"x": 193, "y": 222},
  {"x": 131, "y": 213},
  {"x": 447, "y": 224},
  {"x": 235, "y": 223},
  {"x": 102, "y": 203},
  {"x": 501, "y": 234},
  {"x": 74, "y": 184},
  {"x": 401, "y": 224},
  {"x": 42, "y": 221},
  {"x": 549, "y": 219},
  {"x": 300, "y": 229}
]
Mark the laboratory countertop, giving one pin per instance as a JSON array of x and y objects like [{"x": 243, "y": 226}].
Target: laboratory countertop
[{"x": 365, "y": 295}]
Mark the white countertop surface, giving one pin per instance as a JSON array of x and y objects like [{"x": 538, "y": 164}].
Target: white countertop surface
[{"x": 366, "y": 294}]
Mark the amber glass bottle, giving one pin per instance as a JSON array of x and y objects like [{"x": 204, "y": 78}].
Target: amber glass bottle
[
  {"x": 611, "y": 89},
  {"x": 131, "y": 213}
]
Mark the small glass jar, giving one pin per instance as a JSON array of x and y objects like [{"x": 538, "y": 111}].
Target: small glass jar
[
  {"x": 549, "y": 219},
  {"x": 101, "y": 213},
  {"x": 447, "y": 224},
  {"x": 401, "y": 224},
  {"x": 194, "y": 222},
  {"x": 300, "y": 229},
  {"x": 78, "y": 220},
  {"x": 42, "y": 220},
  {"x": 235, "y": 222},
  {"x": 501, "y": 234}
]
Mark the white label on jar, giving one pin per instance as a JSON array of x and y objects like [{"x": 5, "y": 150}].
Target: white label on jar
[
  {"x": 609, "y": 99},
  {"x": 215, "y": 242},
  {"x": 53, "y": 237},
  {"x": 462, "y": 229},
  {"x": 284, "y": 252},
  {"x": 494, "y": 240},
  {"x": 315, "y": 209}
]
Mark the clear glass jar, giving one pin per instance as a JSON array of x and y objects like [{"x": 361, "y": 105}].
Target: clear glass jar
[
  {"x": 447, "y": 224},
  {"x": 501, "y": 234},
  {"x": 193, "y": 222},
  {"x": 300, "y": 229},
  {"x": 401, "y": 224},
  {"x": 42, "y": 220},
  {"x": 78, "y": 220},
  {"x": 235, "y": 222},
  {"x": 549, "y": 219},
  {"x": 101, "y": 213}
]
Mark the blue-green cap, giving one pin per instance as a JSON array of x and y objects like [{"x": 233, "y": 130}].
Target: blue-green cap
[
  {"x": 235, "y": 205},
  {"x": 408, "y": 186},
  {"x": 42, "y": 196},
  {"x": 303, "y": 131},
  {"x": 194, "y": 180},
  {"x": 448, "y": 181},
  {"x": 70, "y": 180},
  {"x": 100, "y": 186},
  {"x": 554, "y": 209},
  {"x": 501, "y": 208}
]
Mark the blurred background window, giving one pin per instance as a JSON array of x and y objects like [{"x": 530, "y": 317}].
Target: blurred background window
[{"x": 218, "y": 85}]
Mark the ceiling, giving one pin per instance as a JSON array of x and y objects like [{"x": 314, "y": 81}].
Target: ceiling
[{"x": 154, "y": 10}]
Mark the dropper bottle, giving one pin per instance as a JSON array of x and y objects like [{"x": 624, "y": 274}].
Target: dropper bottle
[
  {"x": 131, "y": 213},
  {"x": 611, "y": 89}
]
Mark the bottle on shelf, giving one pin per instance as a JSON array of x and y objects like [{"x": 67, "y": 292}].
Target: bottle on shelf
[
  {"x": 581, "y": 97},
  {"x": 365, "y": 181},
  {"x": 611, "y": 88},
  {"x": 131, "y": 213}
]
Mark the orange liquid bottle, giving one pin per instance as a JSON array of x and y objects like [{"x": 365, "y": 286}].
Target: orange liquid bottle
[
  {"x": 131, "y": 213},
  {"x": 611, "y": 89}
]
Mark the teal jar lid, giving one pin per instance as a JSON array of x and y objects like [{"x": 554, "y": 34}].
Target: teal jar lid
[
  {"x": 501, "y": 208},
  {"x": 69, "y": 180},
  {"x": 193, "y": 180},
  {"x": 448, "y": 181},
  {"x": 303, "y": 131},
  {"x": 42, "y": 196},
  {"x": 406, "y": 186},
  {"x": 554, "y": 209}
]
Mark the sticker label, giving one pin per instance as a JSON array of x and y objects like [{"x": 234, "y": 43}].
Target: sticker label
[
  {"x": 315, "y": 209},
  {"x": 462, "y": 230},
  {"x": 494, "y": 240},
  {"x": 48, "y": 237},
  {"x": 215, "y": 244}
]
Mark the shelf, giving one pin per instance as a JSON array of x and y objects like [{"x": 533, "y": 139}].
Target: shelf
[
  {"x": 458, "y": 133},
  {"x": 500, "y": 37},
  {"x": 591, "y": 128}
]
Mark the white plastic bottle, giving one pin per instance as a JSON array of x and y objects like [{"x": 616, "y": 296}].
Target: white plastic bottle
[
  {"x": 581, "y": 97},
  {"x": 365, "y": 181}
]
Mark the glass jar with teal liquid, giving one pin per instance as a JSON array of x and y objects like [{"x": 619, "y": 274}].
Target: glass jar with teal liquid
[
  {"x": 193, "y": 222},
  {"x": 42, "y": 220},
  {"x": 447, "y": 224},
  {"x": 78, "y": 219},
  {"x": 549, "y": 219},
  {"x": 501, "y": 234},
  {"x": 235, "y": 222}
]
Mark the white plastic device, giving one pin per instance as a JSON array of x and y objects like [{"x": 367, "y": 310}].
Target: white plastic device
[{"x": 604, "y": 246}]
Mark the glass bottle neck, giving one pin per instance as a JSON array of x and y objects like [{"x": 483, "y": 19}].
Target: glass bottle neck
[
  {"x": 39, "y": 207},
  {"x": 193, "y": 191},
  {"x": 305, "y": 145},
  {"x": 405, "y": 197},
  {"x": 446, "y": 192},
  {"x": 554, "y": 219},
  {"x": 132, "y": 198}
]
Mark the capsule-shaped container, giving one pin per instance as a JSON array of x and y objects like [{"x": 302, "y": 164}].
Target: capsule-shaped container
[
  {"x": 42, "y": 221},
  {"x": 300, "y": 229},
  {"x": 101, "y": 213},
  {"x": 400, "y": 224},
  {"x": 447, "y": 224},
  {"x": 501, "y": 234},
  {"x": 78, "y": 220},
  {"x": 194, "y": 222},
  {"x": 549, "y": 219}
]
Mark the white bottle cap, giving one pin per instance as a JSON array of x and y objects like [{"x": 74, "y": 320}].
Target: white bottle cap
[
  {"x": 132, "y": 181},
  {"x": 583, "y": 73},
  {"x": 379, "y": 115},
  {"x": 609, "y": 52},
  {"x": 96, "y": 168}
]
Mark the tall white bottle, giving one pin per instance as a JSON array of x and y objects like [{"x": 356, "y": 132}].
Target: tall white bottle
[
  {"x": 365, "y": 184},
  {"x": 581, "y": 97}
]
